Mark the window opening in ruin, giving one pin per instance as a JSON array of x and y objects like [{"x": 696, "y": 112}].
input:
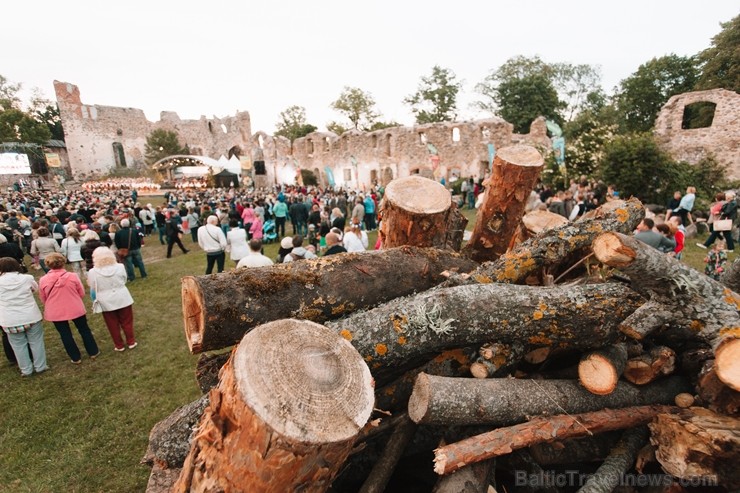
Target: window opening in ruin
[
  {"x": 485, "y": 132},
  {"x": 309, "y": 146},
  {"x": 373, "y": 176},
  {"x": 347, "y": 174},
  {"x": 317, "y": 175},
  {"x": 259, "y": 168},
  {"x": 387, "y": 176},
  {"x": 210, "y": 127},
  {"x": 260, "y": 141},
  {"x": 119, "y": 132},
  {"x": 455, "y": 134},
  {"x": 698, "y": 115},
  {"x": 327, "y": 146},
  {"x": 119, "y": 155},
  {"x": 375, "y": 141},
  {"x": 223, "y": 127},
  {"x": 414, "y": 171},
  {"x": 388, "y": 145},
  {"x": 235, "y": 151},
  {"x": 482, "y": 169},
  {"x": 422, "y": 138}
]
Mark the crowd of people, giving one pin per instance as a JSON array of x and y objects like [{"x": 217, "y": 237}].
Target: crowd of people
[
  {"x": 90, "y": 240},
  {"x": 146, "y": 185}
]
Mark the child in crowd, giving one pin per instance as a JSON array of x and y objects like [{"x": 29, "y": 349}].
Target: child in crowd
[{"x": 715, "y": 260}]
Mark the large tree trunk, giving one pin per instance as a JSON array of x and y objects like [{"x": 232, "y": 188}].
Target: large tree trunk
[
  {"x": 505, "y": 401},
  {"x": 503, "y": 441},
  {"x": 219, "y": 309},
  {"x": 404, "y": 333},
  {"x": 680, "y": 296},
  {"x": 620, "y": 460},
  {"x": 415, "y": 211},
  {"x": 698, "y": 445},
  {"x": 515, "y": 172},
  {"x": 285, "y": 414},
  {"x": 169, "y": 440},
  {"x": 554, "y": 250}
]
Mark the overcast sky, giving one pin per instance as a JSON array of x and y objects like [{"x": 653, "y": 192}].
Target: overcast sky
[{"x": 216, "y": 57}]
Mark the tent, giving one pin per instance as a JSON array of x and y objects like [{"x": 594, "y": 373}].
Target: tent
[{"x": 225, "y": 178}]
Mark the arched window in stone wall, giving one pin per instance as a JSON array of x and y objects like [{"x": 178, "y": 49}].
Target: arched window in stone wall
[
  {"x": 698, "y": 115},
  {"x": 235, "y": 151},
  {"x": 327, "y": 144},
  {"x": 422, "y": 138},
  {"x": 387, "y": 176},
  {"x": 455, "y": 134},
  {"x": 261, "y": 141},
  {"x": 373, "y": 176},
  {"x": 388, "y": 145},
  {"x": 309, "y": 146},
  {"x": 119, "y": 155},
  {"x": 375, "y": 141}
]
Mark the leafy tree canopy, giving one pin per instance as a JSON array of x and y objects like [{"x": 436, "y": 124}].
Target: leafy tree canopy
[
  {"x": 292, "y": 124},
  {"x": 9, "y": 94},
  {"x": 436, "y": 98},
  {"x": 643, "y": 93},
  {"x": 721, "y": 62},
  {"x": 18, "y": 126},
  {"x": 357, "y": 106},
  {"x": 162, "y": 143}
]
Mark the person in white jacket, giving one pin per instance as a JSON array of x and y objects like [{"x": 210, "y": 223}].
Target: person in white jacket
[
  {"x": 213, "y": 241},
  {"x": 355, "y": 240},
  {"x": 237, "y": 241},
  {"x": 112, "y": 298},
  {"x": 71, "y": 248},
  {"x": 21, "y": 318}
]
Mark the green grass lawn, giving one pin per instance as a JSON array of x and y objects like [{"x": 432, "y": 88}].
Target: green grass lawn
[{"x": 84, "y": 428}]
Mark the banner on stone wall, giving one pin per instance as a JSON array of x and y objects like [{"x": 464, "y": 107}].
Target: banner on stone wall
[
  {"x": 52, "y": 160},
  {"x": 329, "y": 176},
  {"x": 12, "y": 163},
  {"x": 246, "y": 162},
  {"x": 491, "y": 155}
]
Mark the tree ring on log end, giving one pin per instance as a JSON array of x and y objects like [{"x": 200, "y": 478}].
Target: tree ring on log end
[
  {"x": 521, "y": 155},
  {"x": 305, "y": 381},
  {"x": 598, "y": 375},
  {"x": 727, "y": 363},
  {"x": 609, "y": 249},
  {"x": 192, "y": 313},
  {"x": 419, "y": 401},
  {"x": 418, "y": 195}
]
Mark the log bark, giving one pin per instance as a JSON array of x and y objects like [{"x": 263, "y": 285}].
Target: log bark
[
  {"x": 554, "y": 250},
  {"x": 415, "y": 212},
  {"x": 502, "y": 402},
  {"x": 620, "y": 460},
  {"x": 714, "y": 394},
  {"x": 679, "y": 296},
  {"x": 406, "y": 332},
  {"x": 731, "y": 276},
  {"x": 456, "y": 224},
  {"x": 503, "y": 441},
  {"x": 169, "y": 440},
  {"x": 470, "y": 479},
  {"x": 599, "y": 371},
  {"x": 514, "y": 174},
  {"x": 207, "y": 368},
  {"x": 659, "y": 361},
  {"x": 575, "y": 450},
  {"x": 698, "y": 445},
  {"x": 284, "y": 417},
  {"x": 497, "y": 359},
  {"x": 219, "y": 309},
  {"x": 383, "y": 469}
]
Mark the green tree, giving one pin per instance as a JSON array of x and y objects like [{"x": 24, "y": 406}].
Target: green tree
[
  {"x": 642, "y": 94},
  {"x": 357, "y": 106},
  {"x": 336, "y": 127},
  {"x": 436, "y": 98},
  {"x": 160, "y": 144},
  {"x": 720, "y": 63},
  {"x": 293, "y": 124},
  {"x": 381, "y": 125},
  {"x": 9, "y": 94},
  {"x": 576, "y": 85},
  {"x": 18, "y": 126}
]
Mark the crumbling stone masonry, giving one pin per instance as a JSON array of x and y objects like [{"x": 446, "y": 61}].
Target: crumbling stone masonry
[
  {"x": 101, "y": 138},
  {"x": 721, "y": 139}
]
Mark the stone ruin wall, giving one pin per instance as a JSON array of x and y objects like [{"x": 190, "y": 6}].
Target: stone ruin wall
[
  {"x": 91, "y": 131},
  {"x": 721, "y": 139},
  {"x": 358, "y": 159}
]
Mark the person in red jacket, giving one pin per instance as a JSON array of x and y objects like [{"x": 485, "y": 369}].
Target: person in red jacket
[{"x": 62, "y": 293}]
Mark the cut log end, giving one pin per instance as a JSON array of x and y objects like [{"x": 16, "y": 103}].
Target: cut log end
[
  {"x": 418, "y": 195},
  {"x": 598, "y": 374},
  {"x": 297, "y": 392},
  {"x": 610, "y": 250},
  {"x": 521, "y": 155},
  {"x": 727, "y": 363},
  {"x": 419, "y": 401},
  {"x": 192, "y": 313},
  {"x": 440, "y": 462}
]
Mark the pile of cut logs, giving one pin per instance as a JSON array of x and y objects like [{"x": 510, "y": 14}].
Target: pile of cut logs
[{"x": 546, "y": 356}]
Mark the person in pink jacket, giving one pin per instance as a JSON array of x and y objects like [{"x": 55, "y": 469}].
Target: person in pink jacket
[
  {"x": 248, "y": 217},
  {"x": 62, "y": 293},
  {"x": 255, "y": 231}
]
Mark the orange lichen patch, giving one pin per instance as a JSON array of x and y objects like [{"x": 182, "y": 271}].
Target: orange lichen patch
[
  {"x": 514, "y": 266},
  {"x": 542, "y": 307},
  {"x": 453, "y": 354},
  {"x": 399, "y": 322},
  {"x": 346, "y": 334},
  {"x": 368, "y": 358},
  {"x": 540, "y": 339},
  {"x": 730, "y": 332},
  {"x": 381, "y": 349},
  {"x": 537, "y": 315},
  {"x": 696, "y": 326},
  {"x": 622, "y": 215},
  {"x": 482, "y": 279},
  {"x": 732, "y": 298},
  {"x": 402, "y": 340}
]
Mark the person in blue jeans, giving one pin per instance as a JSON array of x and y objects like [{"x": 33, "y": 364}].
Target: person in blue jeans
[{"x": 128, "y": 237}]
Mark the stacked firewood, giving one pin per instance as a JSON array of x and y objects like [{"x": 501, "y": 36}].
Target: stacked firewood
[{"x": 544, "y": 348}]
